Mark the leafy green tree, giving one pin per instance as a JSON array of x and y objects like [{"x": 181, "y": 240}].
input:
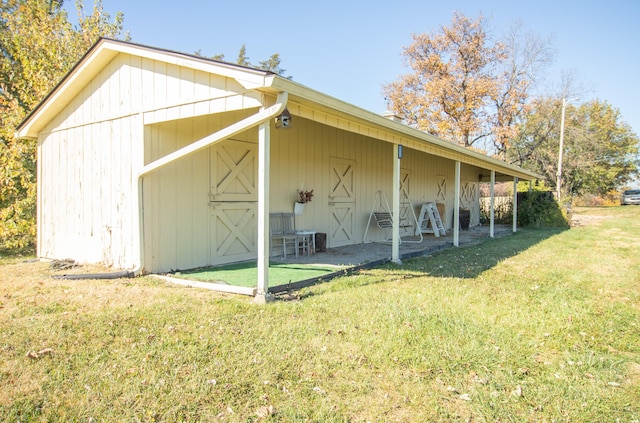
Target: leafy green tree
[
  {"x": 536, "y": 145},
  {"x": 38, "y": 45},
  {"x": 272, "y": 64},
  {"x": 243, "y": 59},
  {"x": 600, "y": 150}
]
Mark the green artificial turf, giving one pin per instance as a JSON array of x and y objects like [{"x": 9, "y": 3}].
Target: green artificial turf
[{"x": 246, "y": 273}]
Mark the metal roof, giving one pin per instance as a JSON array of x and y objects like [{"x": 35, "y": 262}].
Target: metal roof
[{"x": 303, "y": 101}]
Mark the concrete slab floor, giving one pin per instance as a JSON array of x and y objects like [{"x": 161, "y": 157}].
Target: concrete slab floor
[{"x": 360, "y": 254}]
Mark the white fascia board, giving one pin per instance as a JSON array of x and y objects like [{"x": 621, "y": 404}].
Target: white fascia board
[
  {"x": 78, "y": 77},
  {"x": 101, "y": 54},
  {"x": 247, "y": 77},
  {"x": 310, "y": 96}
]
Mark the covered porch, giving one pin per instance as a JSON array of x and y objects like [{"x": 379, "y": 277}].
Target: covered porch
[
  {"x": 376, "y": 252},
  {"x": 343, "y": 259}
]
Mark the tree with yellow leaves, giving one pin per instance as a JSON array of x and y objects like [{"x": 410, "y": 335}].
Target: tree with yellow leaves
[
  {"x": 465, "y": 87},
  {"x": 38, "y": 45}
]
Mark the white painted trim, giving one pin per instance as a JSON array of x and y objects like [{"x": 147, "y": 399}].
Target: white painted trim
[
  {"x": 395, "y": 212},
  {"x": 308, "y": 103},
  {"x": 103, "y": 51},
  {"x": 220, "y": 135},
  {"x": 456, "y": 206},
  {"x": 264, "y": 142},
  {"x": 493, "y": 204},
  {"x": 262, "y": 116},
  {"x": 249, "y": 78},
  {"x": 213, "y": 286},
  {"x": 515, "y": 204},
  {"x": 254, "y": 79},
  {"x": 138, "y": 195}
]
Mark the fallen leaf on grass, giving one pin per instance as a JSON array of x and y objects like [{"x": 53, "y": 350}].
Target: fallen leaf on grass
[
  {"x": 475, "y": 378},
  {"x": 319, "y": 390},
  {"x": 265, "y": 411},
  {"x": 38, "y": 354}
]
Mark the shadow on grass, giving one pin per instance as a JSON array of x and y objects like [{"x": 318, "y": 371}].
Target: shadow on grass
[
  {"x": 468, "y": 261},
  {"x": 472, "y": 260},
  {"x": 16, "y": 255}
]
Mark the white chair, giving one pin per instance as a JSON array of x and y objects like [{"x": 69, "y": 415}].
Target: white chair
[
  {"x": 289, "y": 229},
  {"x": 305, "y": 239},
  {"x": 280, "y": 235}
]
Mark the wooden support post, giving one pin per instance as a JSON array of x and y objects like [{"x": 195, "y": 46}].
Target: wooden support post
[
  {"x": 264, "y": 141},
  {"x": 395, "y": 212},
  {"x": 515, "y": 205},
  {"x": 456, "y": 206},
  {"x": 492, "y": 205}
]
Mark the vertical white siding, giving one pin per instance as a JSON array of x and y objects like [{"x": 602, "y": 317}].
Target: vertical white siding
[
  {"x": 138, "y": 110},
  {"x": 85, "y": 189},
  {"x": 176, "y": 197},
  {"x": 300, "y": 158},
  {"x": 90, "y": 155}
]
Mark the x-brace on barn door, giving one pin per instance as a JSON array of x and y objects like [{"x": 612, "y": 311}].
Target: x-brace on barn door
[
  {"x": 234, "y": 199},
  {"x": 342, "y": 202}
]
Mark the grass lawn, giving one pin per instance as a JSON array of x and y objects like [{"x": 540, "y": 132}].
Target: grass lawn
[
  {"x": 246, "y": 274},
  {"x": 542, "y": 326}
]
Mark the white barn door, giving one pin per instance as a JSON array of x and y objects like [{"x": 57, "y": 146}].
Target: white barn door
[
  {"x": 407, "y": 213},
  {"x": 342, "y": 202},
  {"x": 469, "y": 199},
  {"x": 234, "y": 201}
]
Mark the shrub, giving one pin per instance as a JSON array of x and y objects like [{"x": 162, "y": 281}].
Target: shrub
[
  {"x": 611, "y": 198},
  {"x": 540, "y": 209}
]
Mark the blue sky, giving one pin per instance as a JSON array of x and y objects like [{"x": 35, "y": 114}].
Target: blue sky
[{"x": 350, "y": 49}]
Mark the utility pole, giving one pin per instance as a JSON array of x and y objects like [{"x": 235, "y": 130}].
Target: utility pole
[
  {"x": 560, "y": 152},
  {"x": 561, "y": 148}
]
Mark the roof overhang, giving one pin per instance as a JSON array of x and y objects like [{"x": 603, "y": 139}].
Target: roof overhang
[
  {"x": 303, "y": 101},
  {"x": 320, "y": 107},
  {"x": 103, "y": 52}
]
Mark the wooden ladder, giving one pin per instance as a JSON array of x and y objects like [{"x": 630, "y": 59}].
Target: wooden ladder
[{"x": 429, "y": 214}]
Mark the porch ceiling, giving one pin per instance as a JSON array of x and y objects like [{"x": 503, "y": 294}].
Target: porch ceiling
[
  {"x": 303, "y": 101},
  {"x": 327, "y": 110}
]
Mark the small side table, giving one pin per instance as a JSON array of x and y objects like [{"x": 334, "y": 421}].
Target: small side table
[{"x": 307, "y": 236}]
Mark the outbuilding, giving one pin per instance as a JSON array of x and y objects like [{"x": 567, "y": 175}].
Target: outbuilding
[{"x": 154, "y": 160}]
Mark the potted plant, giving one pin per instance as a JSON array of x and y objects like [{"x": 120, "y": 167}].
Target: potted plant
[{"x": 304, "y": 196}]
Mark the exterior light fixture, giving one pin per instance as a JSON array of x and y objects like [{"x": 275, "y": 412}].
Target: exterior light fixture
[{"x": 283, "y": 120}]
